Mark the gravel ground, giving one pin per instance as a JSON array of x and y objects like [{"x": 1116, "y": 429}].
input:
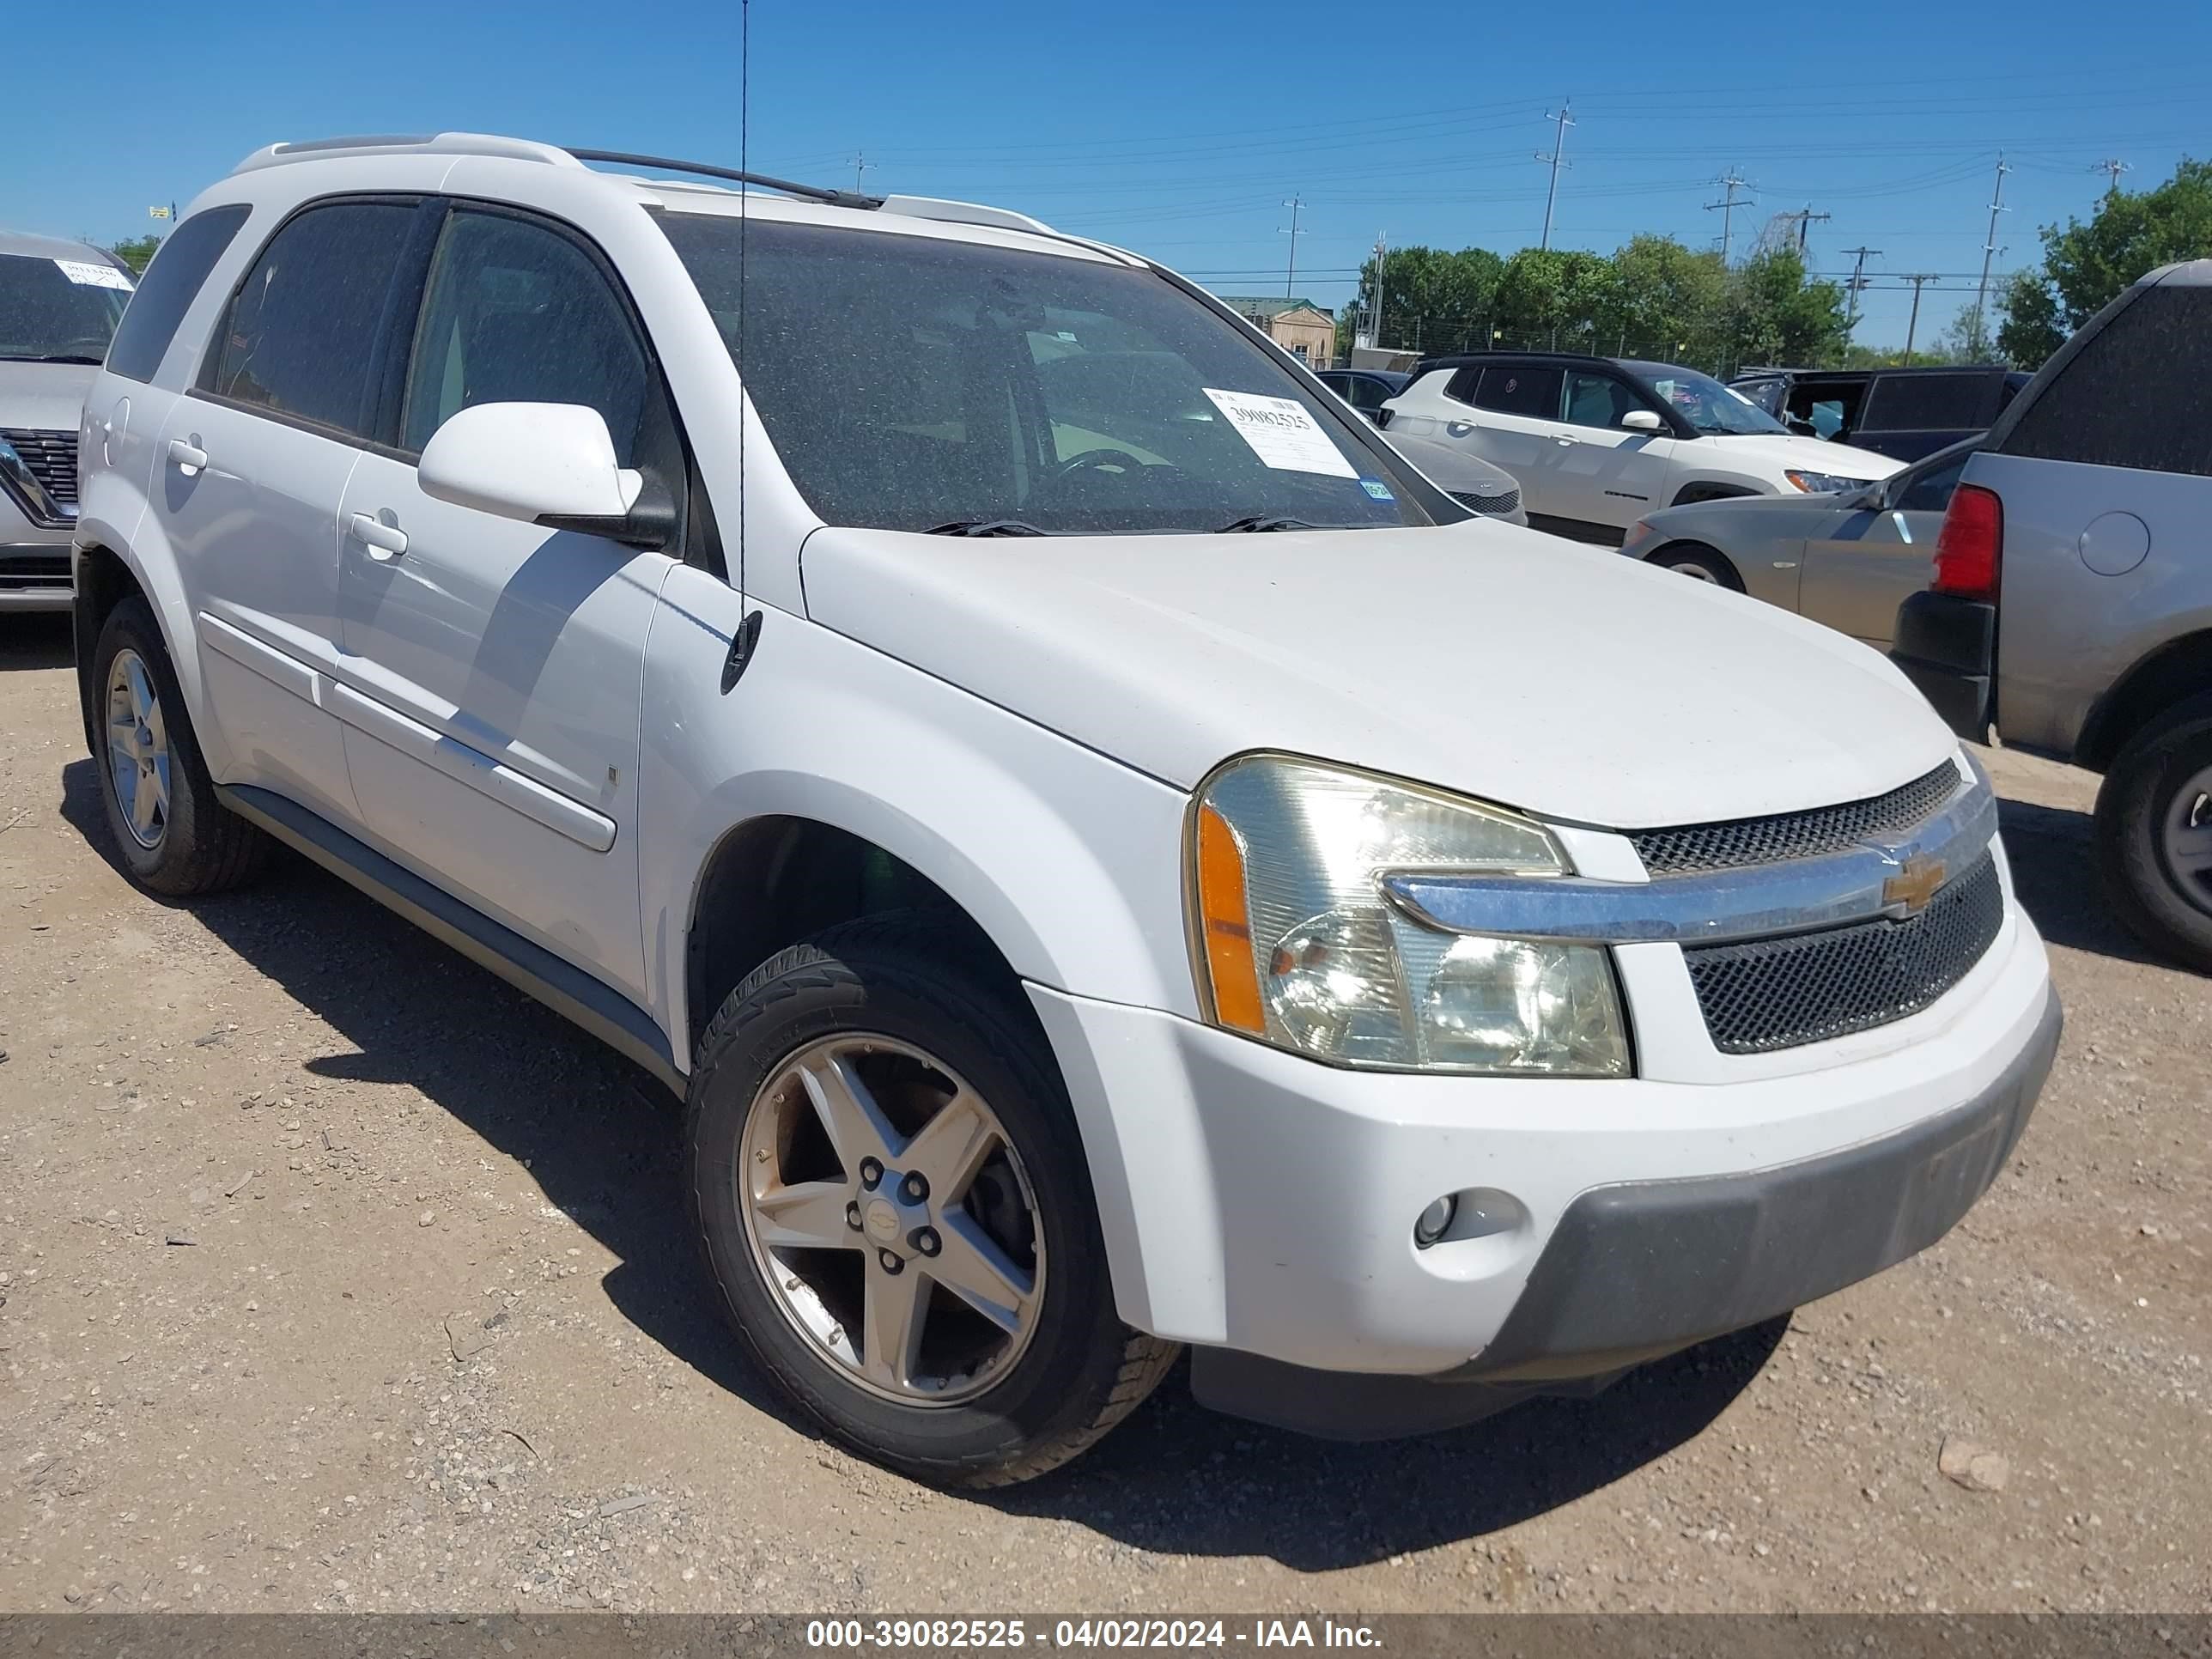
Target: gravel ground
[{"x": 335, "y": 1274}]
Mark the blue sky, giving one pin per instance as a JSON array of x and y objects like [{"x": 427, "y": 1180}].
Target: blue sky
[{"x": 1179, "y": 128}]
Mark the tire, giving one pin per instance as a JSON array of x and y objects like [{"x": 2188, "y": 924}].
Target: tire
[
  {"x": 1698, "y": 562},
  {"x": 2160, "y": 778},
  {"x": 188, "y": 843},
  {"x": 899, "y": 987}
]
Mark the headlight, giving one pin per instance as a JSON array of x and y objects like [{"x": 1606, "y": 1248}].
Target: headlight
[
  {"x": 1299, "y": 945},
  {"x": 1822, "y": 484}
]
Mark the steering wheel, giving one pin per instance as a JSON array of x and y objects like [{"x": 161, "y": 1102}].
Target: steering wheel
[{"x": 1097, "y": 460}]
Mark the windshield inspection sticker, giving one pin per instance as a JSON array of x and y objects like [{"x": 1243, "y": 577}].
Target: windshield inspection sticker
[
  {"x": 86, "y": 275},
  {"x": 1281, "y": 433},
  {"x": 1377, "y": 488}
]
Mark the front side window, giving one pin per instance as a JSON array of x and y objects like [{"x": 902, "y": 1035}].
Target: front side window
[
  {"x": 2137, "y": 394},
  {"x": 1704, "y": 402},
  {"x": 168, "y": 290},
  {"x": 1511, "y": 390},
  {"x": 1596, "y": 399},
  {"x": 59, "y": 311},
  {"x": 914, "y": 382},
  {"x": 301, "y": 338},
  {"x": 516, "y": 313}
]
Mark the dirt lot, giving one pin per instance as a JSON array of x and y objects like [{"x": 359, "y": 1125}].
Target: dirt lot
[{"x": 335, "y": 1274}]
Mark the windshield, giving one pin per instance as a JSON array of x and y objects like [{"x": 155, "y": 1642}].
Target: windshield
[
  {"x": 58, "y": 308},
  {"x": 1704, "y": 402},
  {"x": 917, "y": 383}
]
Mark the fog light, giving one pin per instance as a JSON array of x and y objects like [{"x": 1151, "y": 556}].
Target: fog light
[{"x": 1435, "y": 1220}]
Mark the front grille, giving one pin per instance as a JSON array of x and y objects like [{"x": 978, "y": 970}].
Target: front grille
[
  {"x": 1495, "y": 505},
  {"x": 23, "y": 572},
  {"x": 51, "y": 457},
  {"x": 1780, "y": 993},
  {"x": 1730, "y": 845}
]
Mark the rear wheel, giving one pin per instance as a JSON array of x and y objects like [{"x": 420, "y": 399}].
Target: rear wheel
[
  {"x": 174, "y": 836},
  {"x": 2155, "y": 834},
  {"x": 1698, "y": 562},
  {"x": 891, "y": 1196}
]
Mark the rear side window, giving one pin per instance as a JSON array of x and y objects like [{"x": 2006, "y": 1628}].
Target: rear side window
[
  {"x": 2139, "y": 394},
  {"x": 516, "y": 313},
  {"x": 301, "y": 338},
  {"x": 1461, "y": 388},
  {"x": 1525, "y": 390},
  {"x": 167, "y": 290},
  {"x": 1931, "y": 491},
  {"x": 1924, "y": 403}
]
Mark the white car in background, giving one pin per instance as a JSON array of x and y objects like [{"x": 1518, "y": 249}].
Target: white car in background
[{"x": 1597, "y": 442}]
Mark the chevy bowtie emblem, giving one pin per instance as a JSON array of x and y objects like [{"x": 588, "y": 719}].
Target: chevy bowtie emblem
[{"x": 1914, "y": 884}]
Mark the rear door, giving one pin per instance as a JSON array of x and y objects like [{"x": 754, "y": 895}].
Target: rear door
[
  {"x": 493, "y": 668},
  {"x": 1511, "y": 420},
  {"x": 252, "y": 465},
  {"x": 1862, "y": 563},
  {"x": 2105, "y": 478}
]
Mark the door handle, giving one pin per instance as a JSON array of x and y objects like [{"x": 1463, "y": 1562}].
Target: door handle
[
  {"x": 384, "y": 541},
  {"x": 1459, "y": 428},
  {"x": 1564, "y": 438},
  {"x": 188, "y": 456}
]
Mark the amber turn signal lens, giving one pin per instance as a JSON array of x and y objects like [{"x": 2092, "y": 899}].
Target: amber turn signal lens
[{"x": 1228, "y": 928}]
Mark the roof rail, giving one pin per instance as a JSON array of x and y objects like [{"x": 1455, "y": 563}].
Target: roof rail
[
  {"x": 851, "y": 198},
  {"x": 964, "y": 213},
  {"x": 441, "y": 143}
]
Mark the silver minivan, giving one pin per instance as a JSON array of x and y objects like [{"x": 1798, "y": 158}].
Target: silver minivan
[{"x": 2071, "y": 605}]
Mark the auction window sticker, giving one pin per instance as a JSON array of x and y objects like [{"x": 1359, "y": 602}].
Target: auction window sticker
[
  {"x": 1281, "y": 433},
  {"x": 86, "y": 274}
]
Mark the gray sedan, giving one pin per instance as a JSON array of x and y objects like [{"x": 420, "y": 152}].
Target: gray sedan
[{"x": 1847, "y": 561}]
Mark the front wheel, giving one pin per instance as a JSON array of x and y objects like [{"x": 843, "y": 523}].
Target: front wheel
[
  {"x": 1698, "y": 562},
  {"x": 2155, "y": 834},
  {"x": 891, "y": 1196}
]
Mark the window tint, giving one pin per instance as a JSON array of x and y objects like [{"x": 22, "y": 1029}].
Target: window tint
[
  {"x": 167, "y": 290},
  {"x": 1931, "y": 491},
  {"x": 2139, "y": 394},
  {"x": 516, "y": 313},
  {"x": 955, "y": 382},
  {"x": 1525, "y": 390},
  {"x": 1922, "y": 402},
  {"x": 1461, "y": 388},
  {"x": 1595, "y": 399},
  {"x": 301, "y": 338}
]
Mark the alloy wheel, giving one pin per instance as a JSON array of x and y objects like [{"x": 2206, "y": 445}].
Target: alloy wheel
[
  {"x": 2185, "y": 839},
  {"x": 138, "y": 749}
]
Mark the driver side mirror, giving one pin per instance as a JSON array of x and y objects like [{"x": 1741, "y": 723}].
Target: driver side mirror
[
  {"x": 1643, "y": 419},
  {"x": 1872, "y": 499},
  {"x": 552, "y": 464}
]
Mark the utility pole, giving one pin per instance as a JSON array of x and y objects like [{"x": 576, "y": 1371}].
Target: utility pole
[
  {"x": 1375, "y": 322},
  {"x": 860, "y": 164},
  {"x": 1912, "y": 327},
  {"x": 1990, "y": 248},
  {"x": 2113, "y": 166},
  {"x": 1728, "y": 206},
  {"x": 1296, "y": 204},
  {"x": 1565, "y": 116},
  {"x": 1803, "y": 219},
  {"x": 1854, "y": 288}
]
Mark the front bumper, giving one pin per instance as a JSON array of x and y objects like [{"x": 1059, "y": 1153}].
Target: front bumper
[
  {"x": 35, "y": 576},
  {"x": 1947, "y": 646},
  {"x": 1261, "y": 1207}
]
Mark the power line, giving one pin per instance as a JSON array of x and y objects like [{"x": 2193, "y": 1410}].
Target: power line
[
  {"x": 1565, "y": 117},
  {"x": 1727, "y": 207}
]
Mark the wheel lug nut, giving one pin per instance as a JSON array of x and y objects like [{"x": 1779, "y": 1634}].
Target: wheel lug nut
[
  {"x": 915, "y": 1188},
  {"x": 892, "y": 1264},
  {"x": 853, "y": 1217},
  {"x": 872, "y": 1174},
  {"x": 924, "y": 1240}
]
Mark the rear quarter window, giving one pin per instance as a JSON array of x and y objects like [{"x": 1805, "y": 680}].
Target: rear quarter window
[
  {"x": 167, "y": 290},
  {"x": 2137, "y": 394},
  {"x": 1926, "y": 403}
]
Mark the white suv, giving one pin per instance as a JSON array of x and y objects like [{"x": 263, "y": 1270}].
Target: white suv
[
  {"x": 1598, "y": 442},
  {"x": 1077, "y": 932}
]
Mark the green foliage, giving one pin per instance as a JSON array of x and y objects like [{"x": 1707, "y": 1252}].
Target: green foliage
[
  {"x": 2085, "y": 266},
  {"x": 1777, "y": 314},
  {"x": 137, "y": 253}
]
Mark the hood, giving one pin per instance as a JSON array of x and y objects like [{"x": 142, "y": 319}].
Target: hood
[
  {"x": 1781, "y": 449},
  {"x": 1449, "y": 468},
  {"x": 1478, "y": 657},
  {"x": 44, "y": 396}
]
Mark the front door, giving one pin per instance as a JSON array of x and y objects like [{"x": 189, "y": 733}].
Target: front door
[
  {"x": 493, "y": 668},
  {"x": 1605, "y": 473},
  {"x": 250, "y": 468}
]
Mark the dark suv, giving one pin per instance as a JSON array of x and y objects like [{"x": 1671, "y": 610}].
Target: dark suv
[{"x": 1905, "y": 412}]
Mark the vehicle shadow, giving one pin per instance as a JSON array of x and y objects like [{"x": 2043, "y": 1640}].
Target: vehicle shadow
[
  {"x": 35, "y": 639},
  {"x": 2054, "y": 870},
  {"x": 601, "y": 1138}
]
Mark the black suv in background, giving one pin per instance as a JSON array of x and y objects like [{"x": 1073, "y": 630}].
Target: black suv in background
[{"x": 1905, "y": 412}]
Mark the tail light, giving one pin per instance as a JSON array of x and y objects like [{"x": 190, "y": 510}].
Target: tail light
[{"x": 1971, "y": 544}]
